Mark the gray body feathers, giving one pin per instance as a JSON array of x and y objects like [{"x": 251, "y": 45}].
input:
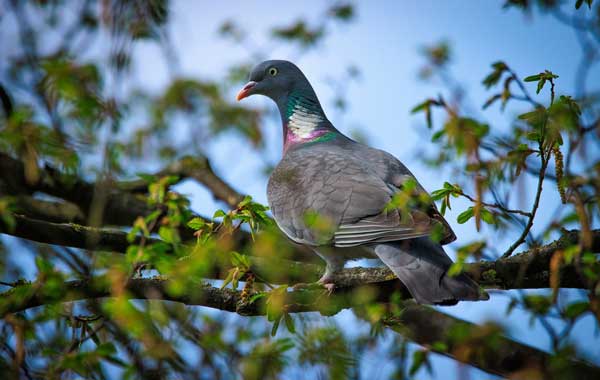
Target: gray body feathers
[
  {"x": 333, "y": 194},
  {"x": 347, "y": 186}
]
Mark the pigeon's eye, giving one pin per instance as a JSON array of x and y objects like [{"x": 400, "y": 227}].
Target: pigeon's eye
[{"x": 273, "y": 71}]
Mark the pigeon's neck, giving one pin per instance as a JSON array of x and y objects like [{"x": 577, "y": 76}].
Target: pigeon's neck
[{"x": 303, "y": 119}]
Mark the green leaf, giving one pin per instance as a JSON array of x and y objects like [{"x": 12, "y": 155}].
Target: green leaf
[
  {"x": 147, "y": 177},
  {"x": 105, "y": 349},
  {"x": 257, "y": 296},
  {"x": 289, "y": 323},
  {"x": 437, "y": 135},
  {"x": 436, "y": 195},
  {"x": 541, "y": 78},
  {"x": 464, "y": 216},
  {"x": 455, "y": 269},
  {"x": 575, "y": 309},
  {"x": 301, "y": 33},
  {"x": 219, "y": 213},
  {"x": 229, "y": 278},
  {"x": 116, "y": 361},
  {"x": 150, "y": 218},
  {"x": 168, "y": 234},
  {"x": 536, "y": 119},
  {"x": 421, "y": 106},
  {"x": 131, "y": 235},
  {"x": 43, "y": 265},
  {"x": 540, "y": 85},
  {"x": 275, "y": 326},
  {"x": 511, "y": 306},
  {"x": 246, "y": 201},
  {"x": 343, "y": 12},
  {"x": 419, "y": 359},
  {"x": 533, "y": 78},
  {"x": 487, "y": 216},
  {"x": 426, "y": 107},
  {"x": 196, "y": 223},
  {"x": 445, "y": 204},
  {"x": 493, "y": 78},
  {"x": 439, "y": 346},
  {"x": 538, "y": 304},
  {"x": 437, "y": 233},
  {"x": 240, "y": 261}
]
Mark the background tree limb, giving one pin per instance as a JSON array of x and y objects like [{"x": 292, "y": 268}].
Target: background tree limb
[{"x": 424, "y": 325}]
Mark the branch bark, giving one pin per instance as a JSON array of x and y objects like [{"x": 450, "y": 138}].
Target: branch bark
[
  {"x": 199, "y": 169},
  {"x": 423, "y": 325},
  {"x": 69, "y": 234},
  {"x": 484, "y": 347},
  {"x": 529, "y": 269},
  {"x": 121, "y": 207},
  {"x": 50, "y": 211}
]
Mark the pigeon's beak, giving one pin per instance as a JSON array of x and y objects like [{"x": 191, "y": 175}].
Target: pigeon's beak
[{"x": 245, "y": 92}]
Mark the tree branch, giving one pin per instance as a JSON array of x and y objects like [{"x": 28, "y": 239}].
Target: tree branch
[
  {"x": 69, "y": 234},
  {"x": 527, "y": 270},
  {"x": 121, "y": 208},
  {"x": 535, "y": 206},
  {"x": 197, "y": 168},
  {"x": 7, "y": 104},
  {"x": 423, "y": 325},
  {"x": 50, "y": 211},
  {"x": 484, "y": 347}
]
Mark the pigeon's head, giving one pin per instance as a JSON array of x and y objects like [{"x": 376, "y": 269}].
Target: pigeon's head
[{"x": 275, "y": 79}]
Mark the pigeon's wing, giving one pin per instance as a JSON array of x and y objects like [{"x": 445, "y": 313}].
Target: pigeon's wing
[
  {"x": 389, "y": 223},
  {"x": 414, "y": 215},
  {"x": 308, "y": 193},
  {"x": 399, "y": 178},
  {"x": 384, "y": 227},
  {"x": 322, "y": 197}
]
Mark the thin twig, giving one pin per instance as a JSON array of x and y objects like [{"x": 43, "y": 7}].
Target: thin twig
[
  {"x": 526, "y": 95},
  {"x": 78, "y": 342},
  {"x": 496, "y": 205},
  {"x": 534, "y": 208}
]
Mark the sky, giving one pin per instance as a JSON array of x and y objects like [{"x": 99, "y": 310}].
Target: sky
[{"x": 383, "y": 42}]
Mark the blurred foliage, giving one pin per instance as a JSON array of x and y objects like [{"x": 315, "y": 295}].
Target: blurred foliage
[
  {"x": 71, "y": 108},
  {"x": 550, "y": 147}
]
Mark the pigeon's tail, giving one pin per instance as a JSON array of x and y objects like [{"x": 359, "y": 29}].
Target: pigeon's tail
[{"x": 422, "y": 266}]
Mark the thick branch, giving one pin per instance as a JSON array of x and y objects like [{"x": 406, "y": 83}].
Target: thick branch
[
  {"x": 50, "y": 211},
  {"x": 121, "y": 208},
  {"x": 199, "y": 169},
  {"x": 484, "y": 347},
  {"x": 423, "y": 325},
  {"x": 69, "y": 234},
  {"x": 527, "y": 270}
]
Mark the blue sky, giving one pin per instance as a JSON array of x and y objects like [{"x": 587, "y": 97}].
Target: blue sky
[{"x": 383, "y": 42}]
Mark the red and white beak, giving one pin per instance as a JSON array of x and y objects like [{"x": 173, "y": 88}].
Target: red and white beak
[{"x": 245, "y": 92}]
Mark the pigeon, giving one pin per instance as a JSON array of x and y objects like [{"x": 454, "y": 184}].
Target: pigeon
[{"x": 348, "y": 201}]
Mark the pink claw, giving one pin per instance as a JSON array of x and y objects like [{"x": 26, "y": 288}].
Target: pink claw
[{"x": 330, "y": 286}]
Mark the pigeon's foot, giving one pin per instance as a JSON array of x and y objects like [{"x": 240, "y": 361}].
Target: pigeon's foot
[
  {"x": 324, "y": 282},
  {"x": 330, "y": 287},
  {"x": 327, "y": 282}
]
